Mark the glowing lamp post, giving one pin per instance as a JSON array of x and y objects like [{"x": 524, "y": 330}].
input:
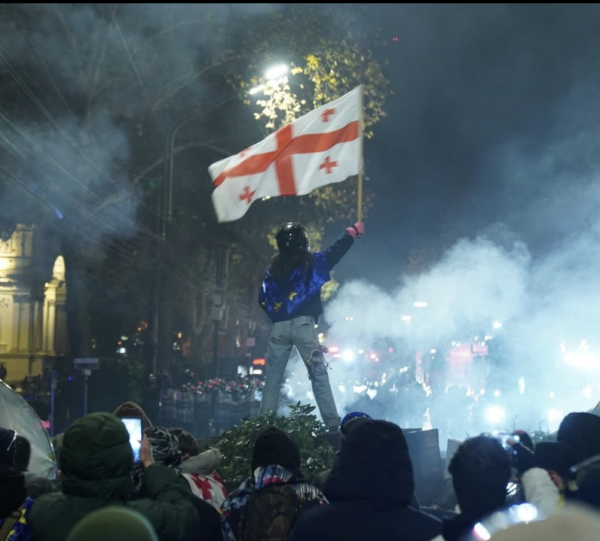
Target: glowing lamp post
[{"x": 272, "y": 74}]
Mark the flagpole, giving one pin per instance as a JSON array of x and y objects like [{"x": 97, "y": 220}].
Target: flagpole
[{"x": 360, "y": 163}]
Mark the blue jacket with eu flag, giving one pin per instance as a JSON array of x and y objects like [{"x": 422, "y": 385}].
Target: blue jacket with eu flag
[{"x": 300, "y": 295}]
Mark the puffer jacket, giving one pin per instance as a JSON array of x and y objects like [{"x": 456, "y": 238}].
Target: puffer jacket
[
  {"x": 96, "y": 461},
  {"x": 369, "y": 492}
]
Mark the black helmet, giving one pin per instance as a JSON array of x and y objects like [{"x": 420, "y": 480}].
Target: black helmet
[{"x": 292, "y": 239}]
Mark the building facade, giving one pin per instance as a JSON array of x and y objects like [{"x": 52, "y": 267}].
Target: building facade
[{"x": 33, "y": 293}]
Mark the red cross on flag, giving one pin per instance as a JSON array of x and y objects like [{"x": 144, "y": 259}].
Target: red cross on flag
[{"x": 322, "y": 147}]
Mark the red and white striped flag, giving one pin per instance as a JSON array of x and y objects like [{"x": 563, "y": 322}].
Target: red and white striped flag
[{"x": 322, "y": 147}]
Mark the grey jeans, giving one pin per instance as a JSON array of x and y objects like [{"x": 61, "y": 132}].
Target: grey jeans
[{"x": 299, "y": 332}]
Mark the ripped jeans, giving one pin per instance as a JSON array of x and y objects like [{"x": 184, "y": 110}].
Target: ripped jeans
[{"x": 299, "y": 332}]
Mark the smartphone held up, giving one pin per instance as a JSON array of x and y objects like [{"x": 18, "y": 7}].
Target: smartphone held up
[
  {"x": 504, "y": 439},
  {"x": 134, "y": 427}
]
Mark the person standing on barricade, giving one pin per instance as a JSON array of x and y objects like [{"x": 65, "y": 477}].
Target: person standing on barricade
[{"x": 291, "y": 297}]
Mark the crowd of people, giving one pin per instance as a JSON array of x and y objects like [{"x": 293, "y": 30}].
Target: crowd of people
[{"x": 174, "y": 491}]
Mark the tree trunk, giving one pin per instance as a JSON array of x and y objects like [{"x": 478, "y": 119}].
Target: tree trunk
[
  {"x": 200, "y": 358},
  {"x": 77, "y": 303}
]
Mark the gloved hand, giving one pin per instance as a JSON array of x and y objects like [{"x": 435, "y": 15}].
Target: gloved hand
[
  {"x": 524, "y": 459},
  {"x": 356, "y": 230}
]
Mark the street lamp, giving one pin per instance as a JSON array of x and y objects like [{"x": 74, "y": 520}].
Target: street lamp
[
  {"x": 276, "y": 72},
  {"x": 272, "y": 74}
]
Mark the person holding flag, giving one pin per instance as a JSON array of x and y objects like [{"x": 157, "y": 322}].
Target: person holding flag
[
  {"x": 320, "y": 148},
  {"x": 291, "y": 297}
]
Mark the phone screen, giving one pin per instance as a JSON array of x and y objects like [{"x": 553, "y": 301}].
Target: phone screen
[
  {"x": 134, "y": 427},
  {"x": 503, "y": 439}
]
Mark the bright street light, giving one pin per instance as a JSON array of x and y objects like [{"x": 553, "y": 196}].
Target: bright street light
[
  {"x": 495, "y": 414},
  {"x": 497, "y": 325},
  {"x": 256, "y": 89},
  {"x": 348, "y": 356},
  {"x": 271, "y": 74},
  {"x": 276, "y": 72}
]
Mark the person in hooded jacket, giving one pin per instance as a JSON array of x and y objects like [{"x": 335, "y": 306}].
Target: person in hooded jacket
[
  {"x": 265, "y": 506},
  {"x": 349, "y": 422},
  {"x": 369, "y": 492},
  {"x": 132, "y": 410},
  {"x": 581, "y": 432},
  {"x": 15, "y": 505},
  {"x": 480, "y": 471},
  {"x": 96, "y": 463},
  {"x": 291, "y": 297}
]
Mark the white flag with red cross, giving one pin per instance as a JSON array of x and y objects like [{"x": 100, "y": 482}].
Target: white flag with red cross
[{"x": 320, "y": 148}]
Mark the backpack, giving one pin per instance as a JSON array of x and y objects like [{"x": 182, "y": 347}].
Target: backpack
[{"x": 269, "y": 514}]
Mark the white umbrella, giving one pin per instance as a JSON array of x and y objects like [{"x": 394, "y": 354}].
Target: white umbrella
[{"x": 16, "y": 414}]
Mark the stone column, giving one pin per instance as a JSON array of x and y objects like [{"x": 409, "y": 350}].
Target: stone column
[
  {"x": 38, "y": 326},
  {"x": 51, "y": 326},
  {"x": 16, "y": 313},
  {"x": 25, "y": 324},
  {"x": 45, "y": 327}
]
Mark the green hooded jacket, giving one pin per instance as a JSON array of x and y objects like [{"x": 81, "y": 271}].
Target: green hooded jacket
[{"x": 96, "y": 461}]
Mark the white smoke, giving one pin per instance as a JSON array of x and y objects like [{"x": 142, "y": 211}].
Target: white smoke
[
  {"x": 475, "y": 282},
  {"x": 547, "y": 305}
]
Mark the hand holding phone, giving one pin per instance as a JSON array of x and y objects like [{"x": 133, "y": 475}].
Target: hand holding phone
[
  {"x": 508, "y": 440},
  {"x": 146, "y": 457},
  {"x": 524, "y": 458}
]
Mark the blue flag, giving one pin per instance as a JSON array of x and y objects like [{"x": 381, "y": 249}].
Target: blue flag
[{"x": 282, "y": 301}]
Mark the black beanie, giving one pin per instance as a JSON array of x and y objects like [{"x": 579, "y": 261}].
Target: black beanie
[
  {"x": 274, "y": 446},
  {"x": 581, "y": 432},
  {"x": 351, "y": 425},
  {"x": 375, "y": 455}
]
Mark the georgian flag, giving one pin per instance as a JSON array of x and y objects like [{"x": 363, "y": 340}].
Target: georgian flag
[{"x": 320, "y": 148}]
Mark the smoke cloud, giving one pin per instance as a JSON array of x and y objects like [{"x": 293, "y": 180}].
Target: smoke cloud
[
  {"x": 538, "y": 311},
  {"x": 541, "y": 309},
  {"x": 83, "y": 84}
]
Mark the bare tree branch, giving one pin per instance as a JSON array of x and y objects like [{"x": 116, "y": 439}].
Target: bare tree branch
[
  {"x": 117, "y": 198},
  {"x": 177, "y": 150},
  {"x": 165, "y": 30},
  {"x": 96, "y": 78},
  {"x": 133, "y": 64},
  {"x": 70, "y": 34},
  {"x": 191, "y": 79}
]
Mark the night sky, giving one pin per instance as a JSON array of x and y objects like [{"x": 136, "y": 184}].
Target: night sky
[
  {"x": 492, "y": 124},
  {"x": 493, "y": 121}
]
